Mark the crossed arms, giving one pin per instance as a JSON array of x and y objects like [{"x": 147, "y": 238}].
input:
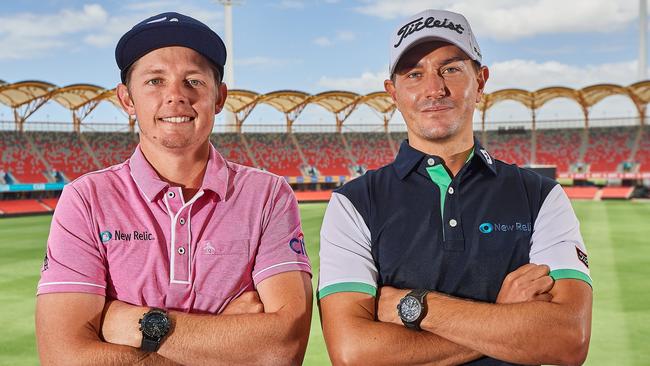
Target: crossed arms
[
  {"x": 70, "y": 328},
  {"x": 534, "y": 321}
]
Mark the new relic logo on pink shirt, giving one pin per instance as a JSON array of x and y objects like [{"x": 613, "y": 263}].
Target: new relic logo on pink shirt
[{"x": 123, "y": 235}]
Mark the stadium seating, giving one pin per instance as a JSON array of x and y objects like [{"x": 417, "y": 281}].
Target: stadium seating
[
  {"x": 111, "y": 148},
  {"x": 371, "y": 149},
  {"x": 584, "y": 193},
  {"x": 8, "y": 207},
  {"x": 608, "y": 147},
  {"x": 17, "y": 157},
  {"x": 50, "y": 202},
  {"x": 65, "y": 152},
  {"x": 616, "y": 192},
  {"x": 559, "y": 147},
  {"x": 509, "y": 147},
  {"x": 275, "y": 152},
  {"x": 643, "y": 152},
  {"x": 231, "y": 147},
  {"x": 326, "y": 152},
  {"x": 313, "y": 196}
]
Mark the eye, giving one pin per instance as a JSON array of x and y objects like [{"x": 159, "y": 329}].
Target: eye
[
  {"x": 414, "y": 74},
  {"x": 154, "y": 82},
  {"x": 451, "y": 70},
  {"x": 194, "y": 82}
]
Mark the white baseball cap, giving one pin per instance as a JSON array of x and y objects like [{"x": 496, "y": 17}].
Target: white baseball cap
[{"x": 433, "y": 25}]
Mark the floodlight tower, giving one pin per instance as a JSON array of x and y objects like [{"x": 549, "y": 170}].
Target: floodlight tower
[
  {"x": 643, "y": 31},
  {"x": 229, "y": 70}
]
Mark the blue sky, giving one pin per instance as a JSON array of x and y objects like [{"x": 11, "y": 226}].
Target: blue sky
[{"x": 319, "y": 45}]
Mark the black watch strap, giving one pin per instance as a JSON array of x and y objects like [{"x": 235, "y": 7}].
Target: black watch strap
[
  {"x": 420, "y": 295},
  {"x": 150, "y": 345}
]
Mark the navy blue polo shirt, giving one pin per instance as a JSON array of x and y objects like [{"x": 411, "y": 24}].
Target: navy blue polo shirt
[{"x": 410, "y": 224}]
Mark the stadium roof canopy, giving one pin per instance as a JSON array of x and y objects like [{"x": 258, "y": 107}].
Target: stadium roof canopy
[{"x": 25, "y": 97}]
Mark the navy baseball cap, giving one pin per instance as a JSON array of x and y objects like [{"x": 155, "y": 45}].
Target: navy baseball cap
[{"x": 165, "y": 30}]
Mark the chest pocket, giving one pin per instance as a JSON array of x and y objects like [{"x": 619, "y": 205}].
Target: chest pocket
[{"x": 222, "y": 268}]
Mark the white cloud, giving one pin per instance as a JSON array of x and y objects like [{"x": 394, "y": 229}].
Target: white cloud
[
  {"x": 342, "y": 35},
  {"x": 513, "y": 19},
  {"x": 323, "y": 41},
  {"x": 30, "y": 35},
  {"x": 367, "y": 82},
  {"x": 532, "y": 75},
  {"x": 346, "y": 35},
  {"x": 27, "y": 35}
]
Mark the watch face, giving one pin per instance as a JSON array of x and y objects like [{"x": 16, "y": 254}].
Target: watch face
[
  {"x": 409, "y": 309},
  {"x": 155, "y": 325}
]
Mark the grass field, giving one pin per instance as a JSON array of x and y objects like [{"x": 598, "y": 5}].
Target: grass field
[{"x": 617, "y": 236}]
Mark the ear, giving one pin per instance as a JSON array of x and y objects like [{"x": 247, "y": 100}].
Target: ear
[
  {"x": 124, "y": 97},
  {"x": 389, "y": 86},
  {"x": 481, "y": 78},
  {"x": 222, "y": 95}
]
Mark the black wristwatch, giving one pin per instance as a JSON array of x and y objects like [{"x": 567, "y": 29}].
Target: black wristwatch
[
  {"x": 155, "y": 325},
  {"x": 412, "y": 308}
]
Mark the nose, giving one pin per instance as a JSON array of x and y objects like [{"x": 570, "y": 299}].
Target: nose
[
  {"x": 435, "y": 86},
  {"x": 177, "y": 92}
]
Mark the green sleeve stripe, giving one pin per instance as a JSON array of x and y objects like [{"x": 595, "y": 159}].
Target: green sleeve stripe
[
  {"x": 347, "y": 287},
  {"x": 559, "y": 274}
]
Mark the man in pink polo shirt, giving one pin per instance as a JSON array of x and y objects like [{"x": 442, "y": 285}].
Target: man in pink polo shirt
[{"x": 175, "y": 256}]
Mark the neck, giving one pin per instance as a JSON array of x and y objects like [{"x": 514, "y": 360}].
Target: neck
[
  {"x": 185, "y": 169},
  {"x": 453, "y": 150}
]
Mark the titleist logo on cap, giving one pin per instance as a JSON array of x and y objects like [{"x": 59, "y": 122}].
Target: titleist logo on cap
[{"x": 431, "y": 22}]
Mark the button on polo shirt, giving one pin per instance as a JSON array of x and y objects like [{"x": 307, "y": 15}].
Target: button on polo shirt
[
  {"x": 411, "y": 224},
  {"x": 124, "y": 233}
]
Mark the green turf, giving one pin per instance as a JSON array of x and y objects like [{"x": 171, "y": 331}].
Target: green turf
[{"x": 617, "y": 236}]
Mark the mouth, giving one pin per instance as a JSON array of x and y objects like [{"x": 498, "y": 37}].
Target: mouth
[
  {"x": 176, "y": 119},
  {"x": 436, "y": 109}
]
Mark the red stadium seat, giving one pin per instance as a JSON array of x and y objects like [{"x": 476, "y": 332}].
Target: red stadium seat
[{"x": 22, "y": 206}]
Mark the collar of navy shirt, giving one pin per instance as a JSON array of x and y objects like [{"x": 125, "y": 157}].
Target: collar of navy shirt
[{"x": 408, "y": 158}]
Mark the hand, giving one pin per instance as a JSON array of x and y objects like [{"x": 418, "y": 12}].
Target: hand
[
  {"x": 120, "y": 323},
  {"x": 387, "y": 300},
  {"x": 529, "y": 282},
  {"x": 247, "y": 303}
]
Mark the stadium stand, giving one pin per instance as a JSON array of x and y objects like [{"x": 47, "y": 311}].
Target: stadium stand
[
  {"x": 50, "y": 202},
  {"x": 616, "y": 192},
  {"x": 65, "y": 152},
  {"x": 581, "y": 193},
  {"x": 325, "y": 151},
  {"x": 275, "y": 152},
  {"x": 313, "y": 196},
  {"x": 24, "y": 206},
  {"x": 643, "y": 152},
  {"x": 559, "y": 147},
  {"x": 18, "y": 158},
  {"x": 231, "y": 146},
  {"x": 509, "y": 147},
  {"x": 397, "y": 138},
  {"x": 371, "y": 149},
  {"x": 609, "y": 147},
  {"x": 111, "y": 148}
]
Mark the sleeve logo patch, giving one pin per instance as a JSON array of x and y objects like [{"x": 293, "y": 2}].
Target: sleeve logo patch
[
  {"x": 297, "y": 244},
  {"x": 45, "y": 264},
  {"x": 582, "y": 256}
]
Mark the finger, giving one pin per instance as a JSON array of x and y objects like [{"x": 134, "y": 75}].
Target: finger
[
  {"x": 543, "y": 297},
  {"x": 538, "y": 271},
  {"x": 543, "y": 284},
  {"x": 522, "y": 270}
]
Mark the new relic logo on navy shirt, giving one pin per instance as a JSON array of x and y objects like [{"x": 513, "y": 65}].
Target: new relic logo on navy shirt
[{"x": 490, "y": 227}]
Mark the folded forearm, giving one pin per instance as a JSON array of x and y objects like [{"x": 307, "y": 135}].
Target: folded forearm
[
  {"x": 529, "y": 333},
  {"x": 380, "y": 343},
  {"x": 266, "y": 338},
  {"x": 92, "y": 353}
]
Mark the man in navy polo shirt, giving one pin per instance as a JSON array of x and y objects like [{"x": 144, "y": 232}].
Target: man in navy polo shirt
[{"x": 448, "y": 255}]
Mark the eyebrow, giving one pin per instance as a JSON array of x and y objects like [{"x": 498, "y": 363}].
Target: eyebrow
[
  {"x": 159, "y": 71},
  {"x": 443, "y": 63}
]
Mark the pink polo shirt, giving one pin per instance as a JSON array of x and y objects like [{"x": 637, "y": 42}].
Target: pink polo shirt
[{"x": 124, "y": 233}]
